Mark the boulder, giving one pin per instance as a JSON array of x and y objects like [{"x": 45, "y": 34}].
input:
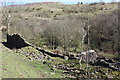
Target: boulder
[
  {"x": 110, "y": 76},
  {"x": 44, "y": 62},
  {"x": 66, "y": 57},
  {"x": 87, "y": 56},
  {"x": 110, "y": 63}
]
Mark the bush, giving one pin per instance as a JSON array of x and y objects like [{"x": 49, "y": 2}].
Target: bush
[
  {"x": 104, "y": 32},
  {"x": 95, "y": 3},
  {"x": 66, "y": 34}
]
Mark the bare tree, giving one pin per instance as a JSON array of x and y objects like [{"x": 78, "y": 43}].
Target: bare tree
[{"x": 6, "y": 10}]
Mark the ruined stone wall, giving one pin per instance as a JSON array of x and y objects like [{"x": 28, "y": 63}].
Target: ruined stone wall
[{"x": 15, "y": 41}]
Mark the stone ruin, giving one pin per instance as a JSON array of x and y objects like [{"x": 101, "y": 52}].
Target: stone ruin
[
  {"x": 87, "y": 56},
  {"x": 92, "y": 58},
  {"x": 15, "y": 41}
]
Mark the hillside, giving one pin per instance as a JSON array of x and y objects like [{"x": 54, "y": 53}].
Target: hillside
[
  {"x": 38, "y": 16},
  {"x": 28, "y": 62},
  {"x": 15, "y": 65},
  {"x": 55, "y": 40},
  {"x": 36, "y": 21}
]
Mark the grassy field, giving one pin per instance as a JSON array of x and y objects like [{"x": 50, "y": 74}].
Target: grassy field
[{"x": 16, "y": 66}]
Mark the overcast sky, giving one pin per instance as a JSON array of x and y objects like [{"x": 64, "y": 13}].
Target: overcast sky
[{"x": 63, "y": 1}]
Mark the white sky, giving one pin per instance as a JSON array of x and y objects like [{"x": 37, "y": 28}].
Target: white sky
[{"x": 57, "y": 1}]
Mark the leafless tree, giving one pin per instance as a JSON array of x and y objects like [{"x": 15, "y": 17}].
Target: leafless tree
[{"x": 6, "y": 13}]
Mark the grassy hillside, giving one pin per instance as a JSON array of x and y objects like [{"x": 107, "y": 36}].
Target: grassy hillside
[
  {"x": 14, "y": 65},
  {"x": 40, "y": 24},
  {"x": 34, "y": 18},
  {"x": 17, "y": 65},
  {"x": 59, "y": 28}
]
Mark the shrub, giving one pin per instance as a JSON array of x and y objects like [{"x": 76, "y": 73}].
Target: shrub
[{"x": 104, "y": 32}]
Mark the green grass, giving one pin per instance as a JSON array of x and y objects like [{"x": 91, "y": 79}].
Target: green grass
[
  {"x": 108, "y": 55},
  {"x": 18, "y": 66}
]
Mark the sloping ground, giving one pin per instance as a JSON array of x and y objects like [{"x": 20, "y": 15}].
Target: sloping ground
[
  {"x": 17, "y": 66},
  {"x": 26, "y": 63},
  {"x": 36, "y": 18}
]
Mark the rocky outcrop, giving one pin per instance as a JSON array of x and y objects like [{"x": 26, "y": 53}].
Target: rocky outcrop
[
  {"x": 91, "y": 57},
  {"x": 110, "y": 63},
  {"x": 87, "y": 56},
  {"x": 49, "y": 53}
]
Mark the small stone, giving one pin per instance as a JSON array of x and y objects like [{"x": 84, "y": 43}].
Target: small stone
[
  {"x": 96, "y": 72},
  {"x": 44, "y": 62},
  {"x": 109, "y": 76},
  {"x": 54, "y": 66},
  {"x": 52, "y": 69},
  {"x": 30, "y": 59},
  {"x": 52, "y": 73},
  {"x": 45, "y": 72},
  {"x": 66, "y": 57},
  {"x": 92, "y": 73},
  {"x": 4, "y": 69}
]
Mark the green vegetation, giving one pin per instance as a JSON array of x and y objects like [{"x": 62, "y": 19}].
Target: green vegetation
[
  {"x": 61, "y": 29},
  {"x": 18, "y": 66},
  {"x": 57, "y": 25},
  {"x": 104, "y": 32}
]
